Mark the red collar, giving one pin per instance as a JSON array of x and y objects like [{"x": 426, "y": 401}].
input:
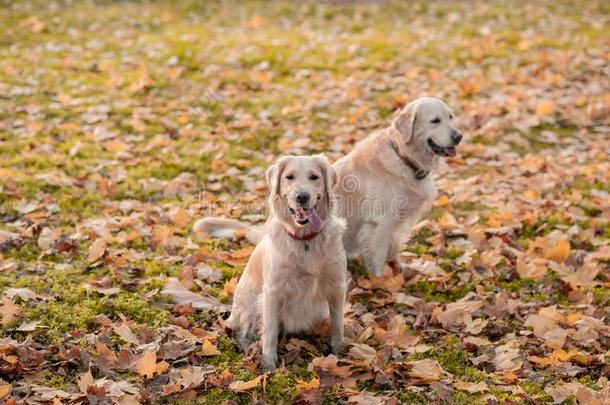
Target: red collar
[{"x": 307, "y": 236}]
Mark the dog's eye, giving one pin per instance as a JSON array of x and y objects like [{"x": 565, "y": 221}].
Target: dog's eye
[
  {"x": 290, "y": 177},
  {"x": 450, "y": 116},
  {"x": 436, "y": 121},
  {"x": 314, "y": 177}
]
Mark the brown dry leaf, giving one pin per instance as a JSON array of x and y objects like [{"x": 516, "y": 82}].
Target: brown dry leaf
[
  {"x": 84, "y": 381},
  {"x": 241, "y": 386},
  {"x": 329, "y": 364},
  {"x": 362, "y": 351},
  {"x": 24, "y": 293},
  {"x": 193, "y": 376},
  {"x": 208, "y": 349},
  {"x": 9, "y": 311},
  {"x": 471, "y": 387},
  {"x": 147, "y": 365},
  {"x": 534, "y": 268},
  {"x": 560, "y": 252},
  {"x": 388, "y": 282},
  {"x": 427, "y": 370},
  {"x": 458, "y": 313},
  {"x": 48, "y": 237},
  {"x": 507, "y": 358},
  {"x": 125, "y": 332},
  {"x": 97, "y": 250},
  {"x": 181, "y": 295},
  {"x": 181, "y": 218}
]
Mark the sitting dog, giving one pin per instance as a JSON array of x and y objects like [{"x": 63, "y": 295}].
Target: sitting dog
[
  {"x": 385, "y": 184},
  {"x": 296, "y": 275}
]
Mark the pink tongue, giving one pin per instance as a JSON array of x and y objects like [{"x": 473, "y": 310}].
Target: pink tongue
[
  {"x": 450, "y": 151},
  {"x": 314, "y": 221}
]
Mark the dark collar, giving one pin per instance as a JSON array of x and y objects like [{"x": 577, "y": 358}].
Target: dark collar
[
  {"x": 307, "y": 236},
  {"x": 418, "y": 172}
]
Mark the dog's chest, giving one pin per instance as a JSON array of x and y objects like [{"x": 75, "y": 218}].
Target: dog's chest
[{"x": 413, "y": 199}]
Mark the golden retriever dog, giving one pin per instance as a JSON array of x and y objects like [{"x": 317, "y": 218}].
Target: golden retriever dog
[
  {"x": 385, "y": 184},
  {"x": 296, "y": 275}
]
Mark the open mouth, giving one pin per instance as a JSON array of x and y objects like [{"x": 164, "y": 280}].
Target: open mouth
[
  {"x": 304, "y": 216},
  {"x": 444, "y": 151}
]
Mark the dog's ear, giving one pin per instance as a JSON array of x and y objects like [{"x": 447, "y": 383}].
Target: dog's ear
[
  {"x": 329, "y": 175},
  {"x": 404, "y": 122},
  {"x": 273, "y": 175}
]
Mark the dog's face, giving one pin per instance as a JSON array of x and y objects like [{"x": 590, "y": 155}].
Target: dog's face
[
  {"x": 428, "y": 122},
  {"x": 301, "y": 189}
]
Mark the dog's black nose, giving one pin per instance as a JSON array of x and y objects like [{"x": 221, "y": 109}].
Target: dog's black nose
[
  {"x": 456, "y": 137},
  {"x": 302, "y": 198}
]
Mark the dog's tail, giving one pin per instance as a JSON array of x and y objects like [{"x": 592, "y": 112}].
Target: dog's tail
[{"x": 218, "y": 227}]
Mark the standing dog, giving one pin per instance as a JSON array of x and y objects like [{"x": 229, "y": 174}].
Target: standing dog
[
  {"x": 385, "y": 184},
  {"x": 296, "y": 275}
]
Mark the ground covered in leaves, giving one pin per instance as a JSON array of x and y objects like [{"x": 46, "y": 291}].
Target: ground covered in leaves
[{"x": 120, "y": 124}]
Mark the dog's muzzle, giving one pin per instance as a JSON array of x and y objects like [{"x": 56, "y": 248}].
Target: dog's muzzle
[{"x": 446, "y": 151}]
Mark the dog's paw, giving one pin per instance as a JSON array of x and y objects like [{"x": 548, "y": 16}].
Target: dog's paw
[
  {"x": 268, "y": 367},
  {"x": 269, "y": 363},
  {"x": 336, "y": 347}
]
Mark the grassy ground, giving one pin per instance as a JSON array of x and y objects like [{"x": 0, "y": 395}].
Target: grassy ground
[{"x": 121, "y": 123}]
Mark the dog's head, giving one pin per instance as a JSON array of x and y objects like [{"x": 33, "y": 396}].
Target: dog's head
[
  {"x": 301, "y": 190},
  {"x": 427, "y": 123}
]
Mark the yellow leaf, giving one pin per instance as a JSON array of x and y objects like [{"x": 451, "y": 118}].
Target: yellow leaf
[
  {"x": 208, "y": 349},
  {"x": 560, "y": 252},
  {"x": 256, "y": 21},
  {"x": 442, "y": 201},
  {"x": 116, "y": 146},
  {"x": 229, "y": 287},
  {"x": 562, "y": 355},
  {"x": 6, "y": 173},
  {"x": 147, "y": 365},
  {"x": 314, "y": 384},
  {"x": 5, "y": 389},
  {"x": 545, "y": 108}
]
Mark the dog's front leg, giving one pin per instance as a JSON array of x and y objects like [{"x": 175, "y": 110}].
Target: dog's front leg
[
  {"x": 374, "y": 239},
  {"x": 335, "y": 304},
  {"x": 271, "y": 325}
]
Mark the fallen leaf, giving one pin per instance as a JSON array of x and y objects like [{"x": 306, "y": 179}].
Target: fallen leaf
[
  {"x": 471, "y": 387},
  {"x": 329, "y": 364},
  {"x": 426, "y": 370},
  {"x": 84, "y": 381},
  {"x": 181, "y": 295},
  {"x": 241, "y": 386},
  {"x": 560, "y": 252},
  {"x": 5, "y": 389},
  {"x": 9, "y": 311},
  {"x": 208, "y": 349},
  {"x": 97, "y": 250}
]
